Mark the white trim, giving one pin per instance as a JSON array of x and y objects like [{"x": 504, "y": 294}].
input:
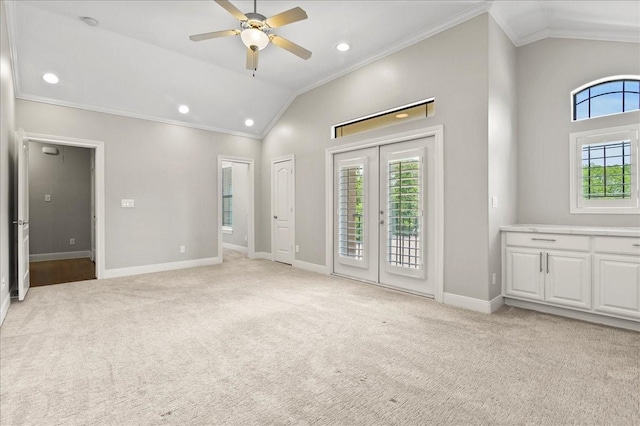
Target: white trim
[
  {"x": 241, "y": 249},
  {"x": 438, "y": 133},
  {"x": 42, "y": 257},
  {"x": 292, "y": 224},
  {"x": 4, "y": 309},
  {"x": 99, "y": 187},
  {"x": 579, "y": 206},
  {"x": 263, "y": 255},
  {"x": 471, "y": 304},
  {"x": 160, "y": 267},
  {"x": 251, "y": 233},
  {"x": 570, "y": 313},
  {"x": 311, "y": 267},
  {"x": 128, "y": 114}
]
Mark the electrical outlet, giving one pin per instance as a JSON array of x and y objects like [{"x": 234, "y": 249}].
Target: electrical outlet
[
  {"x": 297, "y": 249},
  {"x": 47, "y": 198},
  {"x": 127, "y": 203},
  {"x": 183, "y": 249},
  {"x": 72, "y": 241},
  {"x": 494, "y": 202},
  {"x": 494, "y": 279}
]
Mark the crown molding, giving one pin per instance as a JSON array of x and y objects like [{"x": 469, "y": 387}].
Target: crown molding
[{"x": 132, "y": 115}]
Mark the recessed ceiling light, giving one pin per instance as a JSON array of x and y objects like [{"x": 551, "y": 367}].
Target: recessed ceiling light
[
  {"x": 183, "y": 109},
  {"x": 402, "y": 115},
  {"x": 51, "y": 78},
  {"x": 248, "y": 122},
  {"x": 343, "y": 47},
  {"x": 89, "y": 21}
]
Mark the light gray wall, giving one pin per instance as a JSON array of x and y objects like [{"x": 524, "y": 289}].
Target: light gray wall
[
  {"x": 170, "y": 171},
  {"x": 452, "y": 67},
  {"x": 240, "y": 183},
  {"x": 548, "y": 71},
  {"x": 7, "y": 128},
  {"x": 66, "y": 177},
  {"x": 503, "y": 153}
]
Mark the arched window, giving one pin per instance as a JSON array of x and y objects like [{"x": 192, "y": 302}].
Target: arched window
[{"x": 613, "y": 95}]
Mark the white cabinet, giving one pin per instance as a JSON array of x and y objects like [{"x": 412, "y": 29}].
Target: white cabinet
[
  {"x": 556, "y": 276},
  {"x": 568, "y": 278},
  {"x": 595, "y": 274},
  {"x": 616, "y": 283}
]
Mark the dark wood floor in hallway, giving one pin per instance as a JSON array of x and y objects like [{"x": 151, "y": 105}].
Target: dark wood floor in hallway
[{"x": 61, "y": 271}]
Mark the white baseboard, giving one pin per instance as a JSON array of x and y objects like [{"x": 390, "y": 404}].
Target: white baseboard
[
  {"x": 4, "y": 308},
  {"x": 312, "y": 267},
  {"x": 484, "y": 306},
  {"x": 160, "y": 267},
  {"x": 59, "y": 256},
  {"x": 241, "y": 249},
  {"x": 263, "y": 255},
  {"x": 579, "y": 315},
  {"x": 497, "y": 303}
]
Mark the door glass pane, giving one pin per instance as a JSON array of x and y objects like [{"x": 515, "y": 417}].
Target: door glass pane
[
  {"x": 351, "y": 212},
  {"x": 404, "y": 213}
]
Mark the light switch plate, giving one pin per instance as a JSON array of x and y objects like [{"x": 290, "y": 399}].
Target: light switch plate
[{"x": 128, "y": 203}]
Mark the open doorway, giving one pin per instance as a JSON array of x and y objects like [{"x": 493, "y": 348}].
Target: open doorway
[
  {"x": 97, "y": 211},
  {"x": 235, "y": 195},
  {"x": 61, "y": 213}
]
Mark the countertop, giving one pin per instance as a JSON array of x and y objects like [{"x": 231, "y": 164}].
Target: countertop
[{"x": 631, "y": 231}]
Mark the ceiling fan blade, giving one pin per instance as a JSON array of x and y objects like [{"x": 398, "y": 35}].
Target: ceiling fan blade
[
  {"x": 290, "y": 16},
  {"x": 216, "y": 34},
  {"x": 232, "y": 10},
  {"x": 252, "y": 59},
  {"x": 290, "y": 46}
]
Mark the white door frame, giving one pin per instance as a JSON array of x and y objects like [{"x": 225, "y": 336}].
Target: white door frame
[
  {"x": 292, "y": 225},
  {"x": 251, "y": 240},
  {"x": 98, "y": 146},
  {"x": 438, "y": 133}
]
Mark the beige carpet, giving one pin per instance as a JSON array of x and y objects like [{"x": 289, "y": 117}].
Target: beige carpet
[{"x": 258, "y": 343}]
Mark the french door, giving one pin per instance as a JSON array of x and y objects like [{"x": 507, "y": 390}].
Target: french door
[{"x": 384, "y": 222}]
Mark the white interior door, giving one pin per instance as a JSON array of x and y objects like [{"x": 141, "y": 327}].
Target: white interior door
[
  {"x": 355, "y": 236},
  {"x": 283, "y": 211},
  {"x": 385, "y": 221},
  {"x": 22, "y": 148},
  {"x": 93, "y": 205}
]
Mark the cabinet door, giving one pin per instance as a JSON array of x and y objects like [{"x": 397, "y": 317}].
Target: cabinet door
[
  {"x": 568, "y": 278},
  {"x": 617, "y": 285},
  {"x": 524, "y": 273}
]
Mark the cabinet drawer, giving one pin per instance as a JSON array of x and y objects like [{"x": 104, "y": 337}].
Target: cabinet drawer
[
  {"x": 617, "y": 245},
  {"x": 549, "y": 241}
]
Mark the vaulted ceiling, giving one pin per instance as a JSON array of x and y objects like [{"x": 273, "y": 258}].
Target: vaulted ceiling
[{"x": 138, "y": 61}]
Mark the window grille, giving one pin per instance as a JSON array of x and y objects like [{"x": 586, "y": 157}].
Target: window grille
[
  {"x": 351, "y": 212},
  {"x": 606, "y": 170},
  {"x": 606, "y": 98},
  {"x": 227, "y": 196},
  {"x": 404, "y": 213}
]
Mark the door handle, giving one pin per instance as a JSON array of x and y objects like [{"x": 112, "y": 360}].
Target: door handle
[
  {"x": 540, "y": 261},
  {"x": 381, "y": 221},
  {"x": 275, "y": 217},
  {"x": 547, "y": 262}
]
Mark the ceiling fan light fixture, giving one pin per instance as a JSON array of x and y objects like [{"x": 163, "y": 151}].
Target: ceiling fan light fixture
[{"x": 254, "y": 37}]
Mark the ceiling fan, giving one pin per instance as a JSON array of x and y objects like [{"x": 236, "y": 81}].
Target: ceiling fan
[{"x": 255, "y": 31}]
